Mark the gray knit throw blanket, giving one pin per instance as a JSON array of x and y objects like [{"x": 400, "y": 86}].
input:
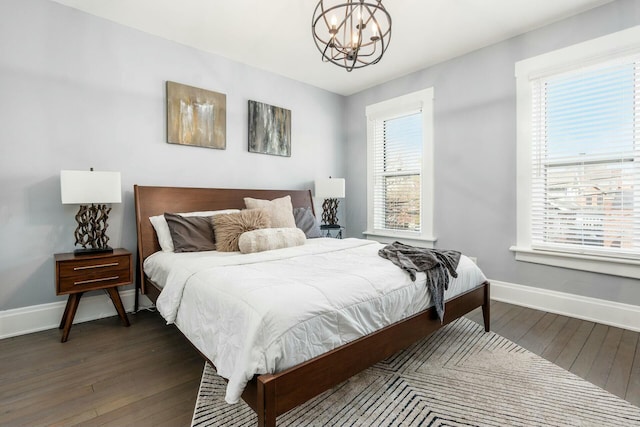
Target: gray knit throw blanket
[{"x": 437, "y": 264}]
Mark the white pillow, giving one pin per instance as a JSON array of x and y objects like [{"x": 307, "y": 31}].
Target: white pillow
[
  {"x": 162, "y": 228},
  {"x": 266, "y": 239}
]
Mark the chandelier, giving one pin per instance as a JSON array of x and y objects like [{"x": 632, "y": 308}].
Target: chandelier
[{"x": 351, "y": 33}]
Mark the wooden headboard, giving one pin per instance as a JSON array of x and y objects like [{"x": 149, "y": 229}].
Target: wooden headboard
[{"x": 151, "y": 201}]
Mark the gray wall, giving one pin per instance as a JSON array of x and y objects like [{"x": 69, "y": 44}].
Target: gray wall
[
  {"x": 475, "y": 152},
  {"x": 78, "y": 91}
]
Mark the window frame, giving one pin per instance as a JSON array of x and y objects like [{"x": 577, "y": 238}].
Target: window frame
[
  {"x": 587, "y": 54},
  {"x": 389, "y": 109}
]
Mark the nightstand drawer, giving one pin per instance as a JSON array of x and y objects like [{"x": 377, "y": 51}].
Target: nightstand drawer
[{"x": 81, "y": 275}]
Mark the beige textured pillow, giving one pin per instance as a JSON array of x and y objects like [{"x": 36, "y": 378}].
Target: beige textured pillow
[
  {"x": 267, "y": 239},
  {"x": 228, "y": 228},
  {"x": 280, "y": 210}
]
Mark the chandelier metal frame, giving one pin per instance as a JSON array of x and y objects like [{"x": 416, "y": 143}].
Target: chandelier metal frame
[{"x": 353, "y": 33}]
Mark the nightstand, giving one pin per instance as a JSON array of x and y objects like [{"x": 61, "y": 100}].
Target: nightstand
[
  {"x": 332, "y": 230},
  {"x": 77, "y": 274}
]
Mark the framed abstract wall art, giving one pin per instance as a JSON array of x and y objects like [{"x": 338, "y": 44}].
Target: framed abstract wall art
[
  {"x": 196, "y": 116},
  {"x": 269, "y": 129}
]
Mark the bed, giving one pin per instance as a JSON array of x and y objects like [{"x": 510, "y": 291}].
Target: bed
[{"x": 272, "y": 394}]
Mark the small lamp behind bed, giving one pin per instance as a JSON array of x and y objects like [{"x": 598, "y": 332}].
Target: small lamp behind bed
[
  {"x": 95, "y": 188},
  {"x": 330, "y": 189}
]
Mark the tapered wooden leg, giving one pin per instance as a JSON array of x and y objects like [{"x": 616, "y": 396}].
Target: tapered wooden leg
[
  {"x": 64, "y": 315},
  {"x": 117, "y": 302},
  {"x": 69, "y": 314},
  {"x": 486, "y": 307}
]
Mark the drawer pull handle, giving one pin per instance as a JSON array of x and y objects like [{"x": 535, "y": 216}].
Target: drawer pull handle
[
  {"x": 86, "y": 267},
  {"x": 103, "y": 279}
]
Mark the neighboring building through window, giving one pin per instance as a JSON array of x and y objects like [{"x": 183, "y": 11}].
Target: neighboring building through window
[
  {"x": 579, "y": 156},
  {"x": 400, "y": 168}
]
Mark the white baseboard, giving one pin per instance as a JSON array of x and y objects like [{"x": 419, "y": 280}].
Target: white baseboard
[
  {"x": 610, "y": 313},
  {"x": 25, "y": 320}
]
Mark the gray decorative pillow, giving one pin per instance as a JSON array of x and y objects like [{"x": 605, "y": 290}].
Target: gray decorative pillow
[
  {"x": 280, "y": 210},
  {"x": 267, "y": 239},
  {"x": 228, "y": 228},
  {"x": 307, "y": 222},
  {"x": 190, "y": 234}
]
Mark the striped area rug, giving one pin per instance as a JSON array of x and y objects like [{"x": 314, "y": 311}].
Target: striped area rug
[{"x": 459, "y": 376}]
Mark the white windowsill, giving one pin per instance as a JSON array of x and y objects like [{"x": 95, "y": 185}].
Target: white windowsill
[
  {"x": 597, "y": 264},
  {"x": 409, "y": 239}
]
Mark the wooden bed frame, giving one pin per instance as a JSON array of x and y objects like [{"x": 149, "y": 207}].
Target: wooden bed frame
[{"x": 270, "y": 395}]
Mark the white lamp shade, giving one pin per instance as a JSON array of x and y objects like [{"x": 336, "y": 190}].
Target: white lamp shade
[
  {"x": 85, "y": 187},
  {"x": 331, "y": 188}
]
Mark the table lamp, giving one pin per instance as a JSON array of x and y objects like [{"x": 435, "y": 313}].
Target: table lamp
[
  {"x": 330, "y": 189},
  {"x": 97, "y": 189}
]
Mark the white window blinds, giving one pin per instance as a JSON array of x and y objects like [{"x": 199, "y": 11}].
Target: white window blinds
[
  {"x": 397, "y": 167},
  {"x": 586, "y": 160}
]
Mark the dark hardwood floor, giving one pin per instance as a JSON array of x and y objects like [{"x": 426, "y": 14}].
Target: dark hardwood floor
[
  {"x": 148, "y": 374},
  {"x": 106, "y": 374}
]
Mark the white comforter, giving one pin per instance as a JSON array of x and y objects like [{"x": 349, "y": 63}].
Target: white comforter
[{"x": 265, "y": 312}]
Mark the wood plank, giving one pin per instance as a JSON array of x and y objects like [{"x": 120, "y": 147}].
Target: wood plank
[
  {"x": 82, "y": 344},
  {"x": 105, "y": 400},
  {"x": 498, "y": 310},
  {"x": 603, "y": 360},
  {"x": 68, "y": 360},
  {"x": 88, "y": 368},
  {"x": 526, "y": 319},
  {"x": 152, "y": 410},
  {"x": 560, "y": 341},
  {"x": 85, "y": 384},
  {"x": 587, "y": 355},
  {"x": 539, "y": 338},
  {"x": 78, "y": 418},
  {"x": 535, "y": 338},
  {"x": 633, "y": 388},
  {"x": 620, "y": 372},
  {"x": 505, "y": 320},
  {"x": 568, "y": 355},
  {"x": 119, "y": 360}
]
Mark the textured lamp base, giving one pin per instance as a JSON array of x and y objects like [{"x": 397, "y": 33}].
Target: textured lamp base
[
  {"x": 330, "y": 211},
  {"x": 91, "y": 232}
]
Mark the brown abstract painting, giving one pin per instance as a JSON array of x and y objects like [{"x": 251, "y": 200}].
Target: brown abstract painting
[
  {"x": 196, "y": 116},
  {"x": 269, "y": 129}
]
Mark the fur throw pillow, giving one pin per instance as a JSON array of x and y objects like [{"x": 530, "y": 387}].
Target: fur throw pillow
[{"x": 228, "y": 228}]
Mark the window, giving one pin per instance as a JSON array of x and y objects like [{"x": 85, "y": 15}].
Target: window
[
  {"x": 400, "y": 168},
  {"x": 579, "y": 156},
  {"x": 397, "y": 167}
]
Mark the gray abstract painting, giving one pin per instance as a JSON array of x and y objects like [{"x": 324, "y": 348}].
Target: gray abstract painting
[{"x": 269, "y": 129}]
